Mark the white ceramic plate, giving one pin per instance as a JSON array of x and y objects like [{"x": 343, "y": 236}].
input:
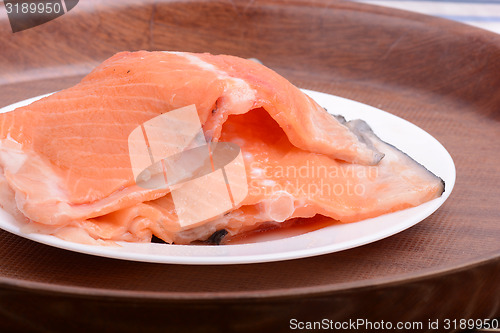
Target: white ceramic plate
[{"x": 409, "y": 138}]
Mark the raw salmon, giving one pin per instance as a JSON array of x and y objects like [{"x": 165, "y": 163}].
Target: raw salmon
[
  {"x": 285, "y": 183},
  {"x": 65, "y": 159}
]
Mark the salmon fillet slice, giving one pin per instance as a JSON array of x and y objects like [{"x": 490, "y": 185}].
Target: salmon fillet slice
[
  {"x": 66, "y": 156},
  {"x": 65, "y": 161},
  {"x": 285, "y": 183}
]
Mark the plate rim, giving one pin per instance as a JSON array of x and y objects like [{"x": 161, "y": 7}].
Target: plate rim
[{"x": 96, "y": 250}]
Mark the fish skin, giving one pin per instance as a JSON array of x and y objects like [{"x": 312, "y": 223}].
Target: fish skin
[{"x": 366, "y": 134}]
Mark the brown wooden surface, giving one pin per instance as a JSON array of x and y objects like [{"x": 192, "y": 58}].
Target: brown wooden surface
[{"x": 440, "y": 75}]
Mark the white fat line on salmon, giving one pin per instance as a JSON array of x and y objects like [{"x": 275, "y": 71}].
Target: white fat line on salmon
[
  {"x": 242, "y": 94},
  {"x": 11, "y": 156},
  {"x": 280, "y": 206},
  {"x": 14, "y": 164}
]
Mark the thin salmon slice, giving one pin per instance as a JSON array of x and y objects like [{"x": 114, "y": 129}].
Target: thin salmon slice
[
  {"x": 65, "y": 159},
  {"x": 285, "y": 183},
  {"x": 66, "y": 156}
]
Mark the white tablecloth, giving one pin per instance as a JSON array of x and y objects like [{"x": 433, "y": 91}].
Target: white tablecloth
[{"x": 480, "y": 13}]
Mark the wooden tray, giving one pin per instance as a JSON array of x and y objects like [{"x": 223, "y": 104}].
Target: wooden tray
[{"x": 440, "y": 75}]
